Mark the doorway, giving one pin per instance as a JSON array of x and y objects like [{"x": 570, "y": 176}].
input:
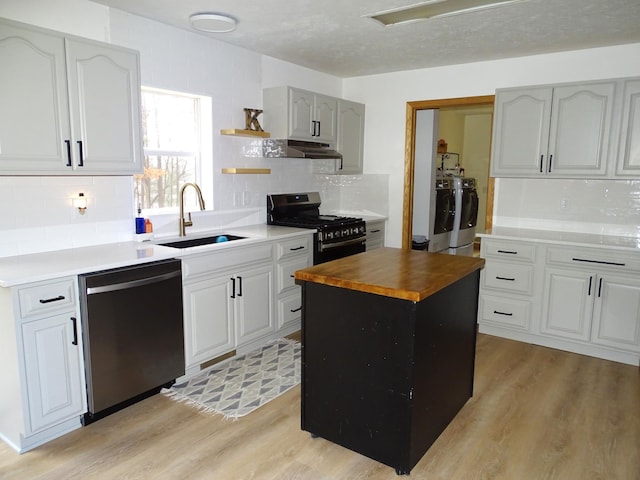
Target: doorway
[{"x": 410, "y": 139}]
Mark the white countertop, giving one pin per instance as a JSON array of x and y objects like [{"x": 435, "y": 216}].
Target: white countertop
[
  {"x": 48, "y": 265},
  {"x": 631, "y": 244}
]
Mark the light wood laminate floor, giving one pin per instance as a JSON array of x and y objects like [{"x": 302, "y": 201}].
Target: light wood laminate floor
[{"x": 537, "y": 413}]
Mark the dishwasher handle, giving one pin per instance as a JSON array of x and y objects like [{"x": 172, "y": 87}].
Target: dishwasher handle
[{"x": 133, "y": 283}]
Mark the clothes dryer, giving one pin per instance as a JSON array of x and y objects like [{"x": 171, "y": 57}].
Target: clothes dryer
[
  {"x": 443, "y": 216},
  {"x": 465, "y": 218}
]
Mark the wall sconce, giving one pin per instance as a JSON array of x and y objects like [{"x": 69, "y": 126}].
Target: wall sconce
[{"x": 80, "y": 202}]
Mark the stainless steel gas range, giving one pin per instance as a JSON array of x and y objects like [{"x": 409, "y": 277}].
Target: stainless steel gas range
[{"x": 336, "y": 236}]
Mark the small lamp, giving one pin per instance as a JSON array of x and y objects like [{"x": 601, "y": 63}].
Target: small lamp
[{"x": 80, "y": 202}]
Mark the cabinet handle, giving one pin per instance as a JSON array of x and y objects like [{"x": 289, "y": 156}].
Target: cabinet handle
[
  {"x": 68, "y": 143},
  {"x": 510, "y": 252},
  {"x": 239, "y": 286},
  {"x": 75, "y": 331},
  {"x": 81, "y": 161},
  {"x": 590, "y": 281},
  {"x": 54, "y": 299},
  {"x": 233, "y": 287},
  {"x": 550, "y": 162},
  {"x": 601, "y": 262},
  {"x": 292, "y": 276},
  {"x": 297, "y": 248},
  {"x": 313, "y": 128},
  {"x": 503, "y": 313},
  {"x": 319, "y": 126},
  {"x": 295, "y": 310},
  {"x": 506, "y": 278},
  {"x": 600, "y": 288},
  {"x": 541, "y": 162}
]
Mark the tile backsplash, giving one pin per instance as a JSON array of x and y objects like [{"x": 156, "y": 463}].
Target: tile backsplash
[
  {"x": 39, "y": 216},
  {"x": 605, "y": 207}
]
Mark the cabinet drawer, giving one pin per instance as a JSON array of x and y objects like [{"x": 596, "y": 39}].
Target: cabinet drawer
[
  {"x": 286, "y": 271},
  {"x": 195, "y": 265},
  {"x": 508, "y": 277},
  {"x": 46, "y": 298},
  {"x": 506, "y": 250},
  {"x": 293, "y": 247},
  {"x": 290, "y": 309},
  {"x": 504, "y": 312},
  {"x": 591, "y": 258}
]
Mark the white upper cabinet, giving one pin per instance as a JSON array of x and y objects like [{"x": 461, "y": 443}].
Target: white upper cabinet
[
  {"x": 34, "y": 111},
  {"x": 561, "y": 131},
  {"x": 300, "y": 115},
  {"x": 629, "y": 140},
  {"x": 104, "y": 95},
  {"x": 67, "y": 105},
  {"x": 350, "y": 137},
  {"x": 521, "y": 131}
]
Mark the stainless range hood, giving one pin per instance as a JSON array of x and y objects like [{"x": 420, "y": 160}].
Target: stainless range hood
[{"x": 277, "y": 148}]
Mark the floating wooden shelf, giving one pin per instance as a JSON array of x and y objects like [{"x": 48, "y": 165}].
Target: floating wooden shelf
[
  {"x": 239, "y": 132},
  {"x": 263, "y": 171}
]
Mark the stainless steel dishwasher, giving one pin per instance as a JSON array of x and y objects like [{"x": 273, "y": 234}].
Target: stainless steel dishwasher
[{"x": 133, "y": 334}]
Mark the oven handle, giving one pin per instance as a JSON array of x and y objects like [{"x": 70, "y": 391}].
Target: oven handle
[{"x": 353, "y": 241}]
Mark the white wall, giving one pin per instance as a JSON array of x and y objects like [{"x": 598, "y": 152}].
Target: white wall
[
  {"x": 386, "y": 97},
  {"x": 38, "y": 214}
]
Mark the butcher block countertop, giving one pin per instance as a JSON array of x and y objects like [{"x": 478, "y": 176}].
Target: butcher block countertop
[{"x": 392, "y": 272}]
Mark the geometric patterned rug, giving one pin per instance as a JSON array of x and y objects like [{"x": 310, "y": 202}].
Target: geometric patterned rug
[{"x": 239, "y": 385}]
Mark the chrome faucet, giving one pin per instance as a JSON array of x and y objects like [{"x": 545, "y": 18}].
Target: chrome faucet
[{"x": 188, "y": 223}]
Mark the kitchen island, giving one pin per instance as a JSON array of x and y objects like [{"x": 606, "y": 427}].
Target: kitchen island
[{"x": 388, "y": 350}]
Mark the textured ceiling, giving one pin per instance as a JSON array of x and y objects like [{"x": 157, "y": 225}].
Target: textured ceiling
[{"x": 332, "y": 36}]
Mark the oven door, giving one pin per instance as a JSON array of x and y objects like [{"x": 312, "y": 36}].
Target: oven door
[{"x": 332, "y": 251}]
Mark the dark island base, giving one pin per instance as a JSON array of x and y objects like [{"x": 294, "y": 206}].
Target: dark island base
[{"x": 384, "y": 376}]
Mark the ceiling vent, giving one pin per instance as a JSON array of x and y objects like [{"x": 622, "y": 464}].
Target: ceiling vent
[{"x": 435, "y": 9}]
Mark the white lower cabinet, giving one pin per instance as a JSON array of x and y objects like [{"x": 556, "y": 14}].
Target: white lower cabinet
[
  {"x": 375, "y": 234},
  {"x": 584, "y": 300},
  {"x": 293, "y": 254},
  {"x": 253, "y": 303},
  {"x": 53, "y": 370},
  {"x": 208, "y": 318},
  {"x": 41, "y": 363},
  {"x": 241, "y": 297},
  {"x": 604, "y": 308},
  {"x": 616, "y": 315},
  {"x": 568, "y": 319}
]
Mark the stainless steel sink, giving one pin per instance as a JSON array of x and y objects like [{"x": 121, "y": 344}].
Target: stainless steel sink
[{"x": 196, "y": 242}]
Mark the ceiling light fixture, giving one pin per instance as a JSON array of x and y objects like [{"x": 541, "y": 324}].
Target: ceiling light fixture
[
  {"x": 435, "y": 9},
  {"x": 212, "y": 22}
]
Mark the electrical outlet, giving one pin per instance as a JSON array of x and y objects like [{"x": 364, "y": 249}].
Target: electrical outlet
[{"x": 564, "y": 204}]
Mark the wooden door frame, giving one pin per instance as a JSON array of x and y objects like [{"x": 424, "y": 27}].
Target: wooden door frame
[{"x": 409, "y": 157}]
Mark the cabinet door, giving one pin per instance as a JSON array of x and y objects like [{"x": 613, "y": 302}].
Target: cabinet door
[
  {"x": 616, "y": 320},
  {"x": 208, "y": 319},
  {"x": 629, "y": 143},
  {"x": 326, "y": 116},
  {"x": 104, "y": 92},
  {"x": 521, "y": 132},
  {"x": 567, "y": 318},
  {"x": 301, "y": 115},
  {"x": 580, "y": 129},
  {"x": 34, "y": 110},
  {"x": 351, "y": 136},
  {"x": 55, "y": 385},
  {"x": 254, "y": 293}
]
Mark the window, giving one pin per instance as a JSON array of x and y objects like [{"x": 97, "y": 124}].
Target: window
[{"x": 174, "y": 142}]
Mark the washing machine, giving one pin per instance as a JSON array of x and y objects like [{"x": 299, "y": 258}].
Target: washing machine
[
  {"x": 443, "y": 223},
  {"x": 465, "y": 216}
]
